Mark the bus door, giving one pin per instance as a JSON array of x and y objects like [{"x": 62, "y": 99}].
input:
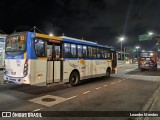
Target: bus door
[
  {"x": 57, "y": 63},
  {"x": 54, "y": 63},
  {"x": 114, "y": 62}
]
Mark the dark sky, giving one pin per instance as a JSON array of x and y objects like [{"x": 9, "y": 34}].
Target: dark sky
[{"x": 103, "y": 21}]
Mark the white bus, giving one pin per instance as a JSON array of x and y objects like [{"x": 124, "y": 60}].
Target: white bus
[
  {"x": 33, "y": 58},
  {"x": 2, "y": 50}
]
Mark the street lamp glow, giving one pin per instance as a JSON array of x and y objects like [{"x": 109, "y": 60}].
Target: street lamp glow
[
  {"x": 150, "y": 33},
  {"x": 50, "y": 34},
  {"x": 137, "y": 47},
  {"x": 121, "y": 38}
]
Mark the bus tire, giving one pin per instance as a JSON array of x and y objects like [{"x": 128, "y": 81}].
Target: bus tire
[
  {"x": 108, "y": 73},
  {"x": 74, "y": 78}
]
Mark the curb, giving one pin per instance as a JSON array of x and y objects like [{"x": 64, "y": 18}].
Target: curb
[{"x": 149, "y": 104}]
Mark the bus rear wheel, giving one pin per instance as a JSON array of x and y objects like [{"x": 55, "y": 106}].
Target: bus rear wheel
[
  {"x": 108, "y": 73},
  {"x": 74, "y": 79}
]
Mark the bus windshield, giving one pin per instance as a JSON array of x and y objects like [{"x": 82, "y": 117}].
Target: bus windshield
[
  {"x": 2, "y": 43},
  {"x": 15, "y": 43}
]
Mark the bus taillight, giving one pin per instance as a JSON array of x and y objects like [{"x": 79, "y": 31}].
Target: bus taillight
[{"x": 25, "y": 70}]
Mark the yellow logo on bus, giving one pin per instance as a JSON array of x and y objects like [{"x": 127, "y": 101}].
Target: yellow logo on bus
[{"x": 82, "y": 61}]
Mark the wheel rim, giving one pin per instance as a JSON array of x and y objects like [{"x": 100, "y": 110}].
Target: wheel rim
[
  {"x": 107, "y": 73},
  {"x": 74, "y": 79}
]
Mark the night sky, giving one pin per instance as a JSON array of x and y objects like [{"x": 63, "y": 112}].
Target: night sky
[{"x": 103, "y": 21}]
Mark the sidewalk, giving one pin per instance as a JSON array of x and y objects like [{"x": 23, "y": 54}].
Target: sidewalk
[
  {"x": 152, "y": 106},
  {"x": 155, "y": 107}
]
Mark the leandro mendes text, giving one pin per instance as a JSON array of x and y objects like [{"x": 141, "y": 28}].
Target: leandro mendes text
[{"x": 143, "y": 115}]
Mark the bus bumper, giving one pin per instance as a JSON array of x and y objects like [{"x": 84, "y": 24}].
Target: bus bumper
[{"x": 16, "y": 80}]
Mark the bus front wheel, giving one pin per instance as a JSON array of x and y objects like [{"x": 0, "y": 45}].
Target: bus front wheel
[{"x": 74, "y": 78}]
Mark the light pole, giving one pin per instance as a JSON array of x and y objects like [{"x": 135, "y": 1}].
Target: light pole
[
  {"x": 121, "y": 39},
  {"x": 2, "y": 32},
  {"x": 137, "y": 47}
]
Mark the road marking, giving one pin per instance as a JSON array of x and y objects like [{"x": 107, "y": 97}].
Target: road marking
[
  {"x": 113, "y": 83},
  {"x": 71, "y": 97},
  {"x": 37, "y": 109},
  {"x": 98, "y": 88},
  {"x": 119, "y": 80},
  {"x": 86, "y": 92},
  {"x": 40, "y": 100},
  {"x": 105, "y": 85}
]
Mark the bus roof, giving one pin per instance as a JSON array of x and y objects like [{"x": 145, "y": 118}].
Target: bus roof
[
  {"x": 3, "y": 36},
  {"x": 84, "y": 42},
  {"x": 68, "y": 39}
]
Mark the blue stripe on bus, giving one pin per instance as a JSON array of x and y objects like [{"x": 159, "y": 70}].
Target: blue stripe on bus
[
  {"x": 15, "y": 56},
  {"x": 30, "y": 46}
]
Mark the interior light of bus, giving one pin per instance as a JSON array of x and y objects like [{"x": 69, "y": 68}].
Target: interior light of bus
[
  {"x": 55, "y": 41},
  {"x": 73, "y": 46},
  {"x": 21, "y": 37},
  {"x": 151, "y": 54}
]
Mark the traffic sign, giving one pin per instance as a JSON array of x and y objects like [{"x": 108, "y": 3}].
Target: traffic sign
[{"x": 145, "y": 37}]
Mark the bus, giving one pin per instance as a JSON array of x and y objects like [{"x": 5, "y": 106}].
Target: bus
[
  {"x": 148, "y": 60},
  {"x": 2, "y": 50},
  {"x": 40, "y": 59}
]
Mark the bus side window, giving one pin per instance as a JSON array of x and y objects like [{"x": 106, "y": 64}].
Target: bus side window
[
  {"x": 73, "y": 50},
  {"x": 79, "y": 50},
  {"x": 57, "y": 51},
  {"x": 89, "y": 52},
  {"x": 67, "y": 50},
  {"x": 84, "y": 51},
  {"x": 49, "y": 52},
  {"x": 40, "y": 49},
  {"x": 103, "y": 53},
  {"x": 98, "y": 53},
  {"x": 94, "y": 52}
]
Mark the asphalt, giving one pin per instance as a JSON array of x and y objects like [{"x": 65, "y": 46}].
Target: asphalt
[{"x": 152, "y": 106}]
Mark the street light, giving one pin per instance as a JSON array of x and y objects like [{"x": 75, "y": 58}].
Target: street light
[
  {"x": 121, "y": 39},
  {"x": 150, "y": 33}
]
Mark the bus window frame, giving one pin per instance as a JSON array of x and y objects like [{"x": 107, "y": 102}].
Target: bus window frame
[
  {"x": 19, "y": 51},
  {"x": 76, "y": 50},
  {"x": 86, "y": 53},
  {"x": 81, "y": 51},
  {"x": 90, "y": 56},
  {"x": 45, "y": 47}
]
